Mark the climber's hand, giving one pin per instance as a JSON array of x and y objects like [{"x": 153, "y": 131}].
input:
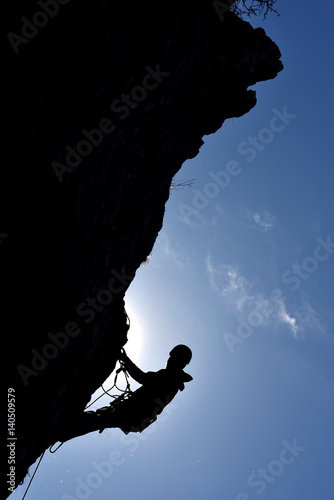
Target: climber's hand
[{"x": 123, "y": 356}]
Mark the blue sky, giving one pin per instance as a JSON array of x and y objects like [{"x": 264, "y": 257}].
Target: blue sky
[{"x": 242, "y": 274}]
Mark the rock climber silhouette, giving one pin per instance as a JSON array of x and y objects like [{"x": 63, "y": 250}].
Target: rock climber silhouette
[
  {"x": 157, "y": 391},
  {"x": 142, "y": 407}
]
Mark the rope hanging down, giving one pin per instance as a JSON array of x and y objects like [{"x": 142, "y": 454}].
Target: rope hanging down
[
  {"x": 32, "y": 477},
  {"x": 125, "y": 392}
]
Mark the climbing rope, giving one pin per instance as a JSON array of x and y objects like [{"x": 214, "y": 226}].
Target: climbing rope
[
  {"x": 32, "y": 477},
  {"x": 126, "y": 392},
  {"x": 54, "y": 451}
]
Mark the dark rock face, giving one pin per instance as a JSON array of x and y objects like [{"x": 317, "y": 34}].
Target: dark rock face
[{"x": 101, "y": 106}]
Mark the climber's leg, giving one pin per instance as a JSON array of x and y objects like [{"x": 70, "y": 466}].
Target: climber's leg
[
  {"x": 108, "y": 417},
  {"x": 83, "y": 424}
]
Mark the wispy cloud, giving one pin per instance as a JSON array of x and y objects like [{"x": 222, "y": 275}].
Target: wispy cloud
[
  {"x": 173, "y": 252},
  {"x": 310, "y": 319},
  {"x": 285, "y": 317},
  {"x": 226, "y": 279},
  {"x": 244, "y": 297},
  {"x": 264, "y": 221}
]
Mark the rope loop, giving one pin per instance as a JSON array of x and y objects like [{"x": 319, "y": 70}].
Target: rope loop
[
  {"x": 54, "y": 451},
  {"x": 127, "y": 390}
]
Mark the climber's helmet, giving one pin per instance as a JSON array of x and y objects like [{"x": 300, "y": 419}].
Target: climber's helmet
[{"x": 180, "y": 356}]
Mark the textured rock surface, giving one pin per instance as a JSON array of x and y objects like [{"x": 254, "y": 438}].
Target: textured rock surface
[{"x": 68, "y": 240}]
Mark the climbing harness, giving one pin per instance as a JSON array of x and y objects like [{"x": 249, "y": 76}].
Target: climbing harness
[{"x": 117, "y": 398}]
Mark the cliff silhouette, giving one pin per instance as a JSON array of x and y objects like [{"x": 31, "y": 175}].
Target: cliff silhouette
[{"x": 101, "y": 105}]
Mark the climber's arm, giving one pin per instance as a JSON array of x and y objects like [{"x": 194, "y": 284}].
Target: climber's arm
[{"x": 136, "y": 373}]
